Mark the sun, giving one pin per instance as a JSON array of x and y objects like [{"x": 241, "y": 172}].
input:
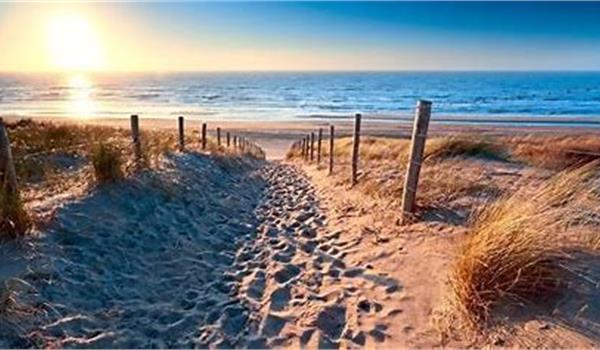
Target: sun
[{"x": 73, "y": 44}]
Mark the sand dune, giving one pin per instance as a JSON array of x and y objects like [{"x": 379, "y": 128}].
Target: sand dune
[{"x": 142, "y": 263}]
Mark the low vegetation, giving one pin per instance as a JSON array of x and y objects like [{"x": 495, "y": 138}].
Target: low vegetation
[
  {"x": 107, "y": 162},
  {"x": 518, "y": 248},
  {"x": 455, "y": 166},
  {"x": 50, "y": 157},
  {"x": 14, "y": 220},
  {"x": 530, "y": 205}
]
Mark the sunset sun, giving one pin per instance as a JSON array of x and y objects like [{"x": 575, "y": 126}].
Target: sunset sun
[{"x": 73, "y": 43}]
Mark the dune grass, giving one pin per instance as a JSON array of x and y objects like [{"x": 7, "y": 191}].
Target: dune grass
[
  {"x": 41, "y": 149},
  {"x": 448, "y": 173},
  {"x": 47, "y": 154},
  {"x": 107, "y": 163},
  {"x": 14, "y": 219},
  {"x": 454, "y": 165},
  {"x": 553, "y": 152},
  {"x": 518, "y": 247}
]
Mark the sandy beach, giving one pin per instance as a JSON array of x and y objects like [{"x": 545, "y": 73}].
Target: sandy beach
[
  {"x": 299, "y": 175},
  {"x": 202, "y": 252}
]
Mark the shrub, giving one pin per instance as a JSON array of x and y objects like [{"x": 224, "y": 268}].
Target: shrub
[
  {"x": 107, "y": 163},
  {"x": 14, "y": 220}
]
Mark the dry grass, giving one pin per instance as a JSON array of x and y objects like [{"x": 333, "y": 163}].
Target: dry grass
[
  {"x": 107, "y": 163},
  {"x": 14, "y": 219},
  {"x": 516, "y": 251},
  {"x": 452, "y": 168},
  {"x": 465, "y": 146},
  {"x": 455, "y": 166},
  {"x": 52, "y": 158},
  {"x": 554, "y": 152},
  {"x": 40, "y": 149}
]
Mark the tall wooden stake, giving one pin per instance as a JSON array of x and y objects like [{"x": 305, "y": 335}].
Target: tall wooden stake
[
  {"x": 218, "y": 136},
  {"x": 417, "y": 147},
  {"x": 312, "y": 146},
  {"x": 320, "y": 138},
  {"x": 228, "y": 139},
  {"x": 203, "y": 136},
  {"x": 331, "y": 137},
  {"x": 135, "y": 136},
  {"x": 7, "y": 167},
  {"x": 355, "y": 148},
  {"x": 181, "y": 134}
]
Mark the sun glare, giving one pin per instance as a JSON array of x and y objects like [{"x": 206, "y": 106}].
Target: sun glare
[
  {"x": 80, "y": 103},
  {"x": 73, "y": 44}
]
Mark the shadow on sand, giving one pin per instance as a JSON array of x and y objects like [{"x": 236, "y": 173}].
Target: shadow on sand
[{"x": 141, "y": 263}]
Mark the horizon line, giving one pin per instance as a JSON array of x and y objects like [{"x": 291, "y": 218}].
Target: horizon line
[{"x": 475, "y": 70}]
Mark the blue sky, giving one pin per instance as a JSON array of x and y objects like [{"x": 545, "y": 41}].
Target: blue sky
[{"x": 355, "y": 35}]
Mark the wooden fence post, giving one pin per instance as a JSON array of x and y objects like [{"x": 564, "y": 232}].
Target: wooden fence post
[
  {"x": 228, "y": 139},
  {"x": 312, "y": 146},
  {"x": 417, "y": 147},
  {"x": 234, "y": 141},
  {"x": 218, "y": 136},
  {"x": 355, "y": 148},
  {"x": 307, "y": 147},
  {"x": 135, "y": 135},
  {"x": 320, "y": 138},
  {"x": 181, "y": 134},
  {"x": 203, "y": 136},
  {"x": 7, "y": 166},
  {"x": 304, "y": 147},
  {"x": 331, "y": 137}
]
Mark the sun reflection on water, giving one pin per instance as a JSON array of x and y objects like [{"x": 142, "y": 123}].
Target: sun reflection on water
[{"x": 80, "y": 103}]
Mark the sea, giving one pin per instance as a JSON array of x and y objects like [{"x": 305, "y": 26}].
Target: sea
[{"x": 560, "y": 98}]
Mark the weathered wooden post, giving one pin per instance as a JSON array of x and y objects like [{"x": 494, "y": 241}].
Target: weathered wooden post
[
  {"x": 135, "y": 135},
  {"x": 203, "y": 136},
  {"x": 417, "y": 147},
  {"x": 234, "y": 141},
  {"x": 312, "y": 146},
  {"x": 218, "y": 136},
  {"x": 320, "y": 138},
  {"x": 307, "y": 147},
  {"x": 181, "y": 134},
  {"x": 331, "y": 137},
  {"x": 7, "y": 166},
  {"x": 304, "y": 144},
  {"x": 355, "y": 148},
  {"x": 228, "y": 139}
]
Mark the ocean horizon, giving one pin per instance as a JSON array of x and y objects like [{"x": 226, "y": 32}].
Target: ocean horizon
[{"x": 569, "y": 98}]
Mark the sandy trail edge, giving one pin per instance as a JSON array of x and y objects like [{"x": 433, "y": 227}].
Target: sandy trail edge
[{"x": 194, "y": 254}]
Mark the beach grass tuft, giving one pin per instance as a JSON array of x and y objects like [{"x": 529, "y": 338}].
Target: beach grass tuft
[
  {"x": 465, "y": 146},
  {"x": 518, "y": 247},
  {"x": 107, "y": 162},
  {"x": 14, "y": 219}
]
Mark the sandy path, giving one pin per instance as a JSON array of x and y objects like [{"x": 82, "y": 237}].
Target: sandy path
[
  {"x": 198, "y": 255},
  {"x": 297, "y": 281}
]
